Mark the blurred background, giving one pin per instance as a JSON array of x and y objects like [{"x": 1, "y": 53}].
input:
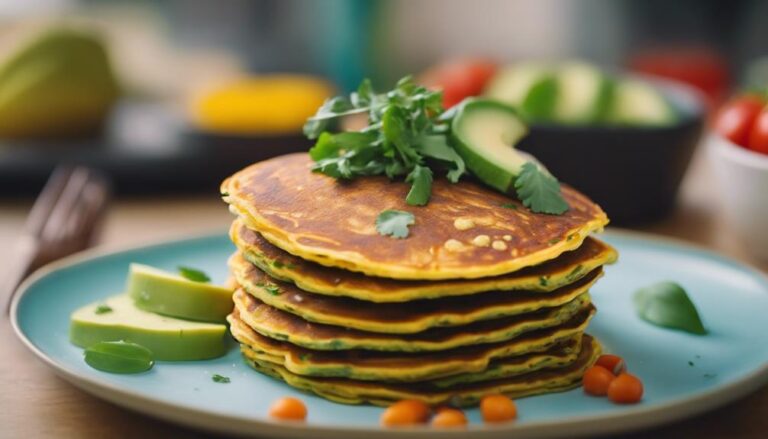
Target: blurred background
[{"x": 166, "y": 98}]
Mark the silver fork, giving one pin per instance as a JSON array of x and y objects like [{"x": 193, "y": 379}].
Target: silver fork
[{"x": 65, "y": 219}]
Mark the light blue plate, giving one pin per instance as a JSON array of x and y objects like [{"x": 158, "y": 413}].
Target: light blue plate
[{"x": 683, "y": 374}]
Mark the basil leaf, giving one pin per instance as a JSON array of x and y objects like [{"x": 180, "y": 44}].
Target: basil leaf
[
  {"x": 539, "y": 191},
  {"x": 667, "y": 304},
  {"x": 119, "y": 357},
  {"x": 394, "y": 223},
  {"x": 193, "y": 274}
]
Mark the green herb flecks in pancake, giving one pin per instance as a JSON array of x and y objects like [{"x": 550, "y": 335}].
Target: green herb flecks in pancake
[
  {"x": 309, "y": 276},
  {"x": 398, "y": 366},
  {"x": 348, "y": 391},
  {"x": 398, "y": 317},
  {"x": 280, "y": 325}
]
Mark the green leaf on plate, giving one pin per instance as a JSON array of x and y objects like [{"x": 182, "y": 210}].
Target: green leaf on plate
[
  {"x": 667, "y": 304},
  {"x": 119, "y": 357},
  {"x": 394, "y": 223},
  {"x": 193, "y": 274},
  {"x": 220, "y": 378}
]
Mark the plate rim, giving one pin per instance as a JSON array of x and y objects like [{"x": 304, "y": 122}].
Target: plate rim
[{"x": 631, "y": 419}]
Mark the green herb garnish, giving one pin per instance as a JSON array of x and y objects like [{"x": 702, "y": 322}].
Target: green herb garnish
[
  {"x": 272, "y": 289},
  {"x": 667, "y": 304},
  {"x": 539, "y": 191},
  {"x": 102, "y": 309},
  {"x": 220, "y": 378},
  {"x": 119, "y": 357},
  {"x": 278, "y": 264},
  {"x": 394, "y": 223},
  {"x": 193, "y": 274},
  {"x": 512, "y": 206},
  {"x": 405, "y": 136}
]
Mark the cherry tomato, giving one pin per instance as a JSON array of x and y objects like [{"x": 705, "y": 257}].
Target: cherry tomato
[
  {"x": 613, "y": 363},
  {"x": 290, "y": 409},
  {"x": 734, "y": 121},
  {"x": 405, "y": 412},
  {"x": 758, "y": 138},
  {"x": 625, "y": 389},
  {"x": 497, "y": 408},
  {"x": 596, "y": 380},
  {"x": 459, "y": 79},
  {"x": 448, "y": 417}
]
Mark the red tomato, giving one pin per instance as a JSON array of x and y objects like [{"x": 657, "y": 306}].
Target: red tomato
[
  {"x": 758, "y": 138},
  {"x": 458, "y": 79},
  {"x": 734, "y": 121}
]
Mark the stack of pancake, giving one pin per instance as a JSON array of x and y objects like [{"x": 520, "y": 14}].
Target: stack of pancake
[{"x": 483, "y": 296}]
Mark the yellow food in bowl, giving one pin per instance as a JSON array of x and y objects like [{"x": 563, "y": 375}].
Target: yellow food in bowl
[{"x": 276, "y": 104}]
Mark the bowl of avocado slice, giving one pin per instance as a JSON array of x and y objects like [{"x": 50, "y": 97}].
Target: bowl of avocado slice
[{"x": 624, "y": 140}]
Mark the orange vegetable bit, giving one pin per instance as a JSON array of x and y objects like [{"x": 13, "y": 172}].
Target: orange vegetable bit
[
  {"x": 449, "y": 418},
  {"x": 497, "y": 408},
  {"x": 596, "y": 380},
  {"x": 405, "y": 412},
  {"x": 288, "y": 409},
  {"x": 613, "y": 363},
  {"x": 625, "y": 389}
]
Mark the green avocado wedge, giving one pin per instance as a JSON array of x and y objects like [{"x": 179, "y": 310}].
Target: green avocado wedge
[
  {"x": 171, "y": 295},
  {"x": 638, "y": 103},
  {"x": 530, "y": 87},
  {"x": 484, "y": 133},
  {"x": 167, "y": 338},
  {"x": 585, "y": 93}
]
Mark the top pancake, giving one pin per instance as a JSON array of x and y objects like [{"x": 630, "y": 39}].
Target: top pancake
[{"x": 331, "y": 222}]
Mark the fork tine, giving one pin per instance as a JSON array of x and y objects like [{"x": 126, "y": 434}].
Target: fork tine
[
  {"x": 43, "y": 206},
  {"x": 54, "y": 227}
]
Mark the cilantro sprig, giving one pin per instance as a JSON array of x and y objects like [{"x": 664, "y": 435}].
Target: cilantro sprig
[
  {"x": 405, "y": 136},
  {"x": 408, "y": 134}
]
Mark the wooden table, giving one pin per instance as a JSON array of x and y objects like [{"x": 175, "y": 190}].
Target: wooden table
[{"x": 36, "y": 403}]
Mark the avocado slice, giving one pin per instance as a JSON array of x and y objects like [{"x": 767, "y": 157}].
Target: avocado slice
[
  {"x": 638, "y": 103},
  {"x": 165, "y": 293},
  {"x": 584, "y": 93},
  {"x": 117, "y": 318},
  {"x": 532, "y": 88},
  {"x": 484, "y": 133}
]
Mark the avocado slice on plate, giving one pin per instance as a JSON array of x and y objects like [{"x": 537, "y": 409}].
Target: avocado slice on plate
[
  {"x": 117, "y": 318},
  {"x": 166, "y": 293},
  {"x": 639, "y": 103},
  {"x": 584, "y": 93},
  {"x": 484, "y": 133}
]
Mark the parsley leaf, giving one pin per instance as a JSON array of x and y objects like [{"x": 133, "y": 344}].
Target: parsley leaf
[
  {"x": 539, "y": 191},
  {"x": 394, "y": 223},
  {"x": 220, "y": 378},
  {"x": 193, "y": 274},
  {"x": 102, "y": 309},
  {"x": 405, "y": 137}
]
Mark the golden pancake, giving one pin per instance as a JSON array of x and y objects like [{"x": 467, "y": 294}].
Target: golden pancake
[
  {"x": 309, "y": 276},
  {"x": 273, "y": 323},
  {"x": 397, "y": 366},
  {"x": 399, "y": 317},
  {"x": 318, "y": 218},
  {"x": 350, "y": 391}
]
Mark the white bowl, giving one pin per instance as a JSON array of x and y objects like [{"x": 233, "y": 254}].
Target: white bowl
[{"x": 742, "y": 177}]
